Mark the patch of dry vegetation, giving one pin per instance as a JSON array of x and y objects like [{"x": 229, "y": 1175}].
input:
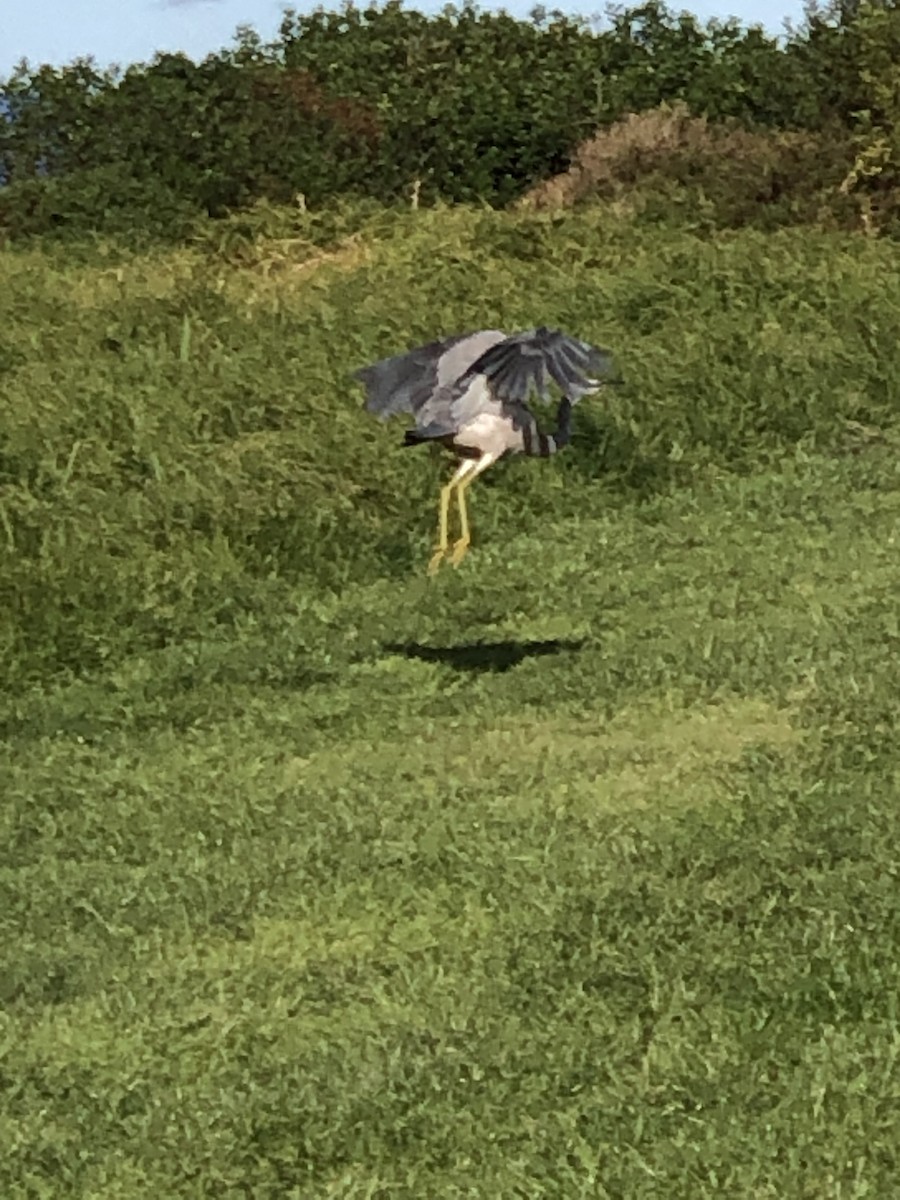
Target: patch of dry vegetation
[{"x": 734, "y": 176}]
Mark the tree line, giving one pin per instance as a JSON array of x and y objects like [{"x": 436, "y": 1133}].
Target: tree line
[{"x": 462, "y": 106}]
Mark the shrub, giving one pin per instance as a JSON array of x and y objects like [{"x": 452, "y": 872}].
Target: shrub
[{"x": 667, "y": 160}]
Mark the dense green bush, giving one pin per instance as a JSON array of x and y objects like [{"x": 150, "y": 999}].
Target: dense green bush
[
  {"x": 463, "y": 106},
  {"x": 89, "y": 152}
]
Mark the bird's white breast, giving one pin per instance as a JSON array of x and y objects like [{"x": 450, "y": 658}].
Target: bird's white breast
[{"x": 489, "y": 433}]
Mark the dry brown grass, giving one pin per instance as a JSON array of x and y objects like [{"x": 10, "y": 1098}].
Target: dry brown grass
[
  {"x": 738, "y": 171},
  {"x": 265, "y": 267},
  {"x": 639, "y": 140}
]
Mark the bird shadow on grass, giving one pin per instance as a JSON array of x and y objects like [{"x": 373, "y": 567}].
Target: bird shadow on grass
[{"x": 484, "y": 656}]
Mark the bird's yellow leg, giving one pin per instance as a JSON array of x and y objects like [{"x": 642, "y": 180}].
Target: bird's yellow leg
[
  {"x": 441, "y": 549},
  {"x": 462, "y": 544},
  {"x": 460, "y": 547}
]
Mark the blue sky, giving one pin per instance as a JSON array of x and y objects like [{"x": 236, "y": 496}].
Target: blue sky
[{"x": 127, "y": 31}]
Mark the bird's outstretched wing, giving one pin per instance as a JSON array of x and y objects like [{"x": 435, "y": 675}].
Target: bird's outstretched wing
[
  {"x": 405, "y": 383},
  {"x": 528, "y": 361},
  {"x": 448, "y": 383},
  {"x": 502, "y": 378}
]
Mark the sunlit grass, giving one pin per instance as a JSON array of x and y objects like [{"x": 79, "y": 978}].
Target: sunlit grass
[
  {"x": 567, "y": 873},
  {"x": 179, "y": 433}
]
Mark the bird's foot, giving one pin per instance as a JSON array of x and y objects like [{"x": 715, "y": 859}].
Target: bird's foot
[
  {"x": 436, "y": 559},
  {"x": 458, "y": 553}
]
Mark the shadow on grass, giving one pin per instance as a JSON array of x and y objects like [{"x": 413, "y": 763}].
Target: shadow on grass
[{"x": 483, "y": 656}]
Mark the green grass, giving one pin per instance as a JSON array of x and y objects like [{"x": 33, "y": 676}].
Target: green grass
[
  {"x": 570, "y": 873},
  {"x": 182, "y": 442}
]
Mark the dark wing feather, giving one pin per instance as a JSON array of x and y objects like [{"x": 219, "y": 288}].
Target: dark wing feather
[
  {"x": 421, "y": 379},
  {"x": 527, "y": 361},
  {"x": 404, "y": 382}
]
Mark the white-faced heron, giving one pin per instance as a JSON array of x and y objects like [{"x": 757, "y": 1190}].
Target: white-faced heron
[{"x": 470, "y": 392}]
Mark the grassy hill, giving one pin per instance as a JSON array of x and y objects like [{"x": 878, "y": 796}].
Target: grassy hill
[{"x": 568, "y": 873}]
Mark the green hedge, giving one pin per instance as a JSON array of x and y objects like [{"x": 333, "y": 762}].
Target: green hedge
[{"x": 475, "y": 106}]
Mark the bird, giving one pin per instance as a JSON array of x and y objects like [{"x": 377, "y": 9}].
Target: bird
[{"x": 469, "y": 393}]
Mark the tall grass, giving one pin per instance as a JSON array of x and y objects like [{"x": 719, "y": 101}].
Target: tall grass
[{"x": 181, "y": 441}]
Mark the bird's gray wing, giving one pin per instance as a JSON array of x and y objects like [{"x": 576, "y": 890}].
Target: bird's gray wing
[
  {"x": 460, "y": 402},
  {"x": 501, "y": 379},
  {"x": 528, "y": 361},
  {"x": 412, "y": 382}
]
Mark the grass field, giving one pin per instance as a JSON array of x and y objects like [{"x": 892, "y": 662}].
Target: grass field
[{"x": 570, "y": 873}]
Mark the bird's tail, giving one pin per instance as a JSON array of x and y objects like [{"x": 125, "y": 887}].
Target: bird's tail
[{"x": 427, "y": 433}]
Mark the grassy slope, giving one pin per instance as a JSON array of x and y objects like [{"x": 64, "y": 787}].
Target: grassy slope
[
  {"x": 182, "y": 445},
  {"x": 570, "y": 873}
]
